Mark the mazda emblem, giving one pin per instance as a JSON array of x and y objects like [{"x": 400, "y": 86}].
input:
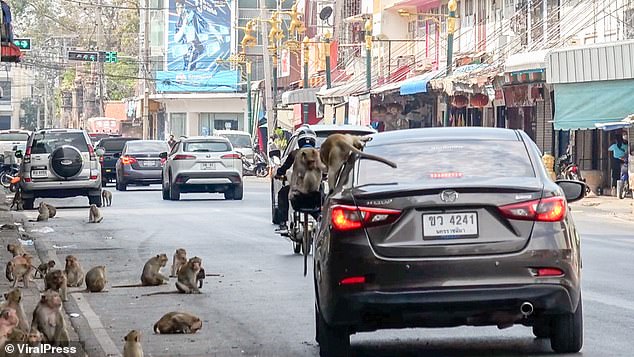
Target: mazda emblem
[
  {"x": 449, "y": 196},
  {"x": 66, "y": 162}
]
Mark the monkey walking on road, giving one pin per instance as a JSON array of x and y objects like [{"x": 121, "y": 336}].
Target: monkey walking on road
[
  {"x": 94, "y": 215},
  {"x": 106, "y": 197},
  {"x": 17, "y": 202},
  {"x": 336, "y": 149},
  {"x": 178, "y": 322}
]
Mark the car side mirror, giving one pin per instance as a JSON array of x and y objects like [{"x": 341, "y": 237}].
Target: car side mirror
[
  {"x": 573, "y": 190},
  {"x": 18, "y": 154},
  {"x": 117, "y": 155},
  {"x": 163, "y": 155},
  {"x": 275, "y": 153},
  {"x": 100, "y": 152}
]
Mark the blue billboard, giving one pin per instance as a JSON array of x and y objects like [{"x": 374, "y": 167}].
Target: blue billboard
[{"x": 198, "y": 33}]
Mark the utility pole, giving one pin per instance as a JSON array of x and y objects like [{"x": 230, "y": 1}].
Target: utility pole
[
  {"x": 451, "y": 29},
  {"x": 146, "y": 61},
  {"x": 305, "y": 105},
  {"x": 100, "y": 70},
  {"x": 271, "y": 120},
  {"x": 45, "y": 101}
]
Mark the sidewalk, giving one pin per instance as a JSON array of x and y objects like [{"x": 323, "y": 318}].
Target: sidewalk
[
  {"x": 608, "y": 206},
  {"x": 31, "y": 296}
]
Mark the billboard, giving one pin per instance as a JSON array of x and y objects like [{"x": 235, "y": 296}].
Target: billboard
[{"x": 198, "y": 33}]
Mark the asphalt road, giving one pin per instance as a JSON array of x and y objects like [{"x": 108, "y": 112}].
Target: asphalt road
[{"x": 263, "y": 306}]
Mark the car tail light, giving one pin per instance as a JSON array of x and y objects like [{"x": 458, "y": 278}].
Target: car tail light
[
  {"x": 101, "y": 159},
  {"x": 547, "y": 272},
  {"x": 128, "y": 160},
  {"x": 184, "y": 157},
  {"x": 574, "y": 169},
  {"x": 27, "y": 179},
  {"x": 352, "y": 280},
  {"x": 552, "y": 209},
  {"x": 93, "y": 177},
  {"x": 345, "y": 218},
  {"x": 27, "y": 155},
  {"x": 91, "y": 152},
  {"x": 230, "y": 156},
  {"x": 446, "y": 175},
  {"x": 163, "y": 160}
]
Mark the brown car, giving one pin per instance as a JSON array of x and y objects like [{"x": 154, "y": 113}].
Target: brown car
[{"x": 468, "y": 230}]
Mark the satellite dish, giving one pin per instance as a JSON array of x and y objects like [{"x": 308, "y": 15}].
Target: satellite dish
[{"x": 325, "y": 13}]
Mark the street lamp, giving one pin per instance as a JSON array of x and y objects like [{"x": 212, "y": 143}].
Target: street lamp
[
  {"x": 327, "y": 37},
  {"x": 305, "y": 105},
  {"x": 368, "y": 54}
]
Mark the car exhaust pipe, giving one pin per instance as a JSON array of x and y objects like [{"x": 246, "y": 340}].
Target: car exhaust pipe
[{"x": 526, "y": 309}]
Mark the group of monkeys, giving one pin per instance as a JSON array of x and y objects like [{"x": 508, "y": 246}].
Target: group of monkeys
[
  {"x": 334, "y": 152},
  {"x": 46, "y": 211},
  {"x": 48, "y": 325}
]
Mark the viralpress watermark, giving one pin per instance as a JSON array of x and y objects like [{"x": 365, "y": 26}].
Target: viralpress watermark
[{"x": 41, "y": 349}]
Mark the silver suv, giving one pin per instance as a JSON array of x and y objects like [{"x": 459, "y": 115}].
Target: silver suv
[
  {"x": 60, "y": 163},
  {"x": 202, "y": 164}
]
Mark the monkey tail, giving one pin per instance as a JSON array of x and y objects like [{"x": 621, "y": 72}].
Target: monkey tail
[
  {"x": 129, "y": 286},
  {"x": 372, "y": 157}
]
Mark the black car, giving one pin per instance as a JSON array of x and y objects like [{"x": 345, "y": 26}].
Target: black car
[
  {"x": 468, "y": 230},
  {"x": 112, "y": 148}
]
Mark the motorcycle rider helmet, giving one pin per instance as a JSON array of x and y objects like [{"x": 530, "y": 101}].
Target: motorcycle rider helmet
[{"x": 306, "y": 138}]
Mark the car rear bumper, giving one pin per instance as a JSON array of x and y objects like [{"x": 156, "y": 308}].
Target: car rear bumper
[
  {"x": 193, "y": 178},
  {"x": 142, "y": 176},
  {"x": 61, "y": 189},
  {"x": 368, "y": 311}
]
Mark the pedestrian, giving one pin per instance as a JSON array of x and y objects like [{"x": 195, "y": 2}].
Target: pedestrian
[
  {"x": 619, "y": 150},
  {"x": 171, "y": 141}
]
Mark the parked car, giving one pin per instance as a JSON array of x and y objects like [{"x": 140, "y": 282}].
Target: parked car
[
  {"x": 112, "y": 147},
  {"x": 202, "y": 164},
  {"x": 322, "y": 132},
  {"x": 139, "y": 163},
  {"x": 240, "y": 140},
  {"x": 468, "y": 230},
  {"x": 13, "y": 140},
  {"x": 59, "y": 163}
]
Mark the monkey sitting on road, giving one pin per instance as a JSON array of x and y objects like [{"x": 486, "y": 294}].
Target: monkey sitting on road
[
  {"x": 188, "y": 276},
  {"x": 307, "y": 173},
  {"x": 336, "y": 149},
  {"x": 179, "y": 259},
  {"x": 34, "y": 337},
  {"x": 106, "y": 197},
  {"x": 44, "y": 213},
  {"x": 94, "y": 215},
  {"x": 52, "y": 211},
  {"x": 151, "y": 275},
  {"x": 56, "y": 280},
  {"x": 8, "y": 321},
  {"x": 15, "y": 249},
  {"x": 178, "y": 322},
  {"x": 48, "y": 319},
  {"x": 20, "y": 268},
  {"x": 43, "y": 269},
  {"x": 74, "y": 272},
  {"x": 132, "y": 347},
  {"x": 13, "y": 299},
  {"x": 96, "y": 279}
]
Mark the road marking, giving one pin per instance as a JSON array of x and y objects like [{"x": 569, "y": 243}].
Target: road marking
[
  {"x": 608, "y": 300},
  {"x": 106, "y": 343}
]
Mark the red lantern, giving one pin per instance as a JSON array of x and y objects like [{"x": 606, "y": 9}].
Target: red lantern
[
  {"x": 460, "y": 101},
  {"x": 479, "y": 100}
]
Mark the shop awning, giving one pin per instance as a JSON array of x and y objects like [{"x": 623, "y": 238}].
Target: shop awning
[
  {"x": 471, "y": 78},
  {"x": 580, "y": 106},
  {"x": 418, "y": 84},
  {"x": 300, "y": 96},
  {"x": 342, "y": 91},
  {"x": 526, "y": 61}
]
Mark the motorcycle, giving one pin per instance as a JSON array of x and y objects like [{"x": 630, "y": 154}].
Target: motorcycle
[
  {"x": 566, "y": 169},
  {"x": 258, "y": 168},
  {"x": 623, "y": 185},
  {"x": 7, "y": 173}
]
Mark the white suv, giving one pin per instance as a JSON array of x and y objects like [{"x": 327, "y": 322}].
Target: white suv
[
  {"x": 60, "y": 163},
  {"x": 202, "y": 164}
]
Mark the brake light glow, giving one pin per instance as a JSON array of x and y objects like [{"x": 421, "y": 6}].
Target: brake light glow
[
  {"x": 93, "y": 177},
  {"x": 548, "y": 272},
  {"x": 446, "y": 175},
  {"x": 551, "y": 209},
  {"x": 27, "y": 179},
  {"x": 353, "y": 280},
  {"x": 346, "y": 218},
  {"x": 91, "y": 152},
  {"x": 230, "y": 156},
  {"x": 184, "y": 157},
  {"x": 128, "y": 160}
]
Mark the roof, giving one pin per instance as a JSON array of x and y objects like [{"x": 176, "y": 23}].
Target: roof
[
  {"x": 526, "y": 61},
  {"x": 61, "y": 130},
  {"x": 231, "y": 132},
  {"x": 343, "y": 128},
  {"x": 196, "y": 138},
  {"x": 442, "y": 134},
  {"x": 15, "y": 131},
  {"x": 118, "y": 138}
]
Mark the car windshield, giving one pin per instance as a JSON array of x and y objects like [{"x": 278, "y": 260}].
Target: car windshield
[
  {"x": 14, "y": 137},
  {"x": 420, "y": 162},
  {"x": 147, "y": 146},
  {"x": 239, "y": 140},
  {"x": 206, "y": 146},
  {"x": 323, "y": 135},
  {"x": 113, "y": 145},
  {"x": 47, "y": 142}
]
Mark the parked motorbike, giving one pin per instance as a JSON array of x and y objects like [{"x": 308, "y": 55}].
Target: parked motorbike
[
  {"x": 258, "y": 168},
  {"x": 623, "y": 185},
  {"x": 8, "y": 173},
  {"x": 566, "y": 169}
]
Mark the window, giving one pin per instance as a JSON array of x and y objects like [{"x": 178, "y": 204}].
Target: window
[
  {"x": 140, "y": 146},
  {"x": 14, "y": 137},
  {"x": 205, "y": 124},
  {"x": 206, "y": 146},
  {"x": 47, "y": 142},
  {"x": 113, "y": 145},
  {"x": 208, "y": 122},
  {"x": 178, "y": 123}
]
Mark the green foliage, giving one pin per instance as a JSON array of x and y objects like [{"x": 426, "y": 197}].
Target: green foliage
[
  {"x": 121, "y": 79},
  {"x": 28, "y": 114}
]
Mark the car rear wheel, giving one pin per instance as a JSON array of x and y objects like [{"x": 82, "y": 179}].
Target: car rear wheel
[
  {"x": 297, "y": 247},
  {"x": 95, "y": 200},
  {"x": 175, "y": 193},
  {"x": 541, "y": 328},
  {"x": 333, "y": 341},
  {"x": 567, "y": 331},
  {"x": 28, "y": 203},
  {"x": 121, "y": 186},
  {"x": 238, "y": 192},
  {"x": 166, "y": 190}
]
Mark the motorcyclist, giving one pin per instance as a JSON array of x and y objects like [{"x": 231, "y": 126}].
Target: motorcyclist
[{"x": 306, "y": 139}]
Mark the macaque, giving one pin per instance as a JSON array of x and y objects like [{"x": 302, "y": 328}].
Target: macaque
[
  {"x": 94, "y": 215},
  {"x": 178, "y": 322},
  {"x": 48, "y": 319},
  {"x": 179, "y": 259},
  {"x": 96, "y": 279},
  {"x": 13, "y": 299},
  {"x": 74, "y": 272},
  {"x": 132, "y": 347},
  {"x": 188, "y": 276},
  {"x": 56, "y": 280}
]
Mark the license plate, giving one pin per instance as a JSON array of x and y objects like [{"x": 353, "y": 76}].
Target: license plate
[
  {"x": 39, "y": 173},
  {"x": 108, "y": 170},
  {"x": 450, "y": 225},
  {"x": 148, "y": 163},
  {"x": 208, "y": 165}
]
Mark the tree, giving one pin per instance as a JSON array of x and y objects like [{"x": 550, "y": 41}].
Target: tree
[
  {"x": 28, "y": 114},
  {"x": 121, "y": 79}
]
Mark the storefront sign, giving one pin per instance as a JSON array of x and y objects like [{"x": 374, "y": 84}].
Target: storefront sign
[
  {"x": 364, "y": 112},
  {"x": 353, "y": 110}
]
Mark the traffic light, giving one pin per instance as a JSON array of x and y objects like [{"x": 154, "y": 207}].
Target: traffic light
[
  {"x": 88, "y": 56},
  {"x": 111, "y": 57},
  {"x": 24, "y": 44}
]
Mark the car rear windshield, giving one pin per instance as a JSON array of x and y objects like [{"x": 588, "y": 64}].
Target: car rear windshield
[
  {"x": 147, "y": 146},
  {"x": 420, "y": 162},
  {"x": 238, "y": 140},
  {"x": 47, "y": 142},
  {"x": 206, "y": 146},
  {"x": 323, "y": 135},
  {"x": 113, "y": 145},
  {"x": 14, "y": 137}
]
